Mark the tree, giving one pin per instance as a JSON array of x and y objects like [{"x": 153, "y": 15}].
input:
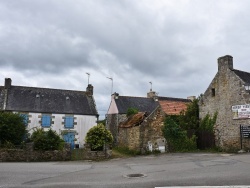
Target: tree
[
  {"x": 12, "y": 128},
  {"x": 46, "y": 140},
  {"x": 98, "y": 136},
  {"x": 189, "y": 119}
]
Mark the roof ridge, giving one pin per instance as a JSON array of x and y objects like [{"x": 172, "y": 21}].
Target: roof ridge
[
  {"x": 241, "y": 71},
  {"x": 134, "y": 96},
  {"x": 47, "y": 88},
  {"x": 174, "y": 98}
]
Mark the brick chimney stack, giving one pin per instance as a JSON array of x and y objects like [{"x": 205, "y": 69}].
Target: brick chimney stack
[
  {"x": 7, "y": 83},
  {"x": 90, "y": 90}
]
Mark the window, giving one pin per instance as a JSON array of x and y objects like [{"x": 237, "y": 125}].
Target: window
[
  {"x": 25, "y": 119},
  {"x": 46, "y": 120},
  {"x": 213, "y": 92},
  {"x": 69, "y": 122}
]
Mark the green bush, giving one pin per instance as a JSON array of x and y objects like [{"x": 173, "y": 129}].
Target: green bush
[
  {"x": 177, "y": 138},
  {"x": 189, "y": 119},
  {"x": 12, "y": 128},
  {"x": 98, "y": 136},
  {"x": 208, "y": 122},
  {"x": 132, "y": 111},
  {"x": 46, "y": 140}
]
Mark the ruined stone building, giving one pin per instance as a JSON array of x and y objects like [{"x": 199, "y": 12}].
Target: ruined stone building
[
  {"x": 228, "y": 94},
  {"x": 135, "y": 132}
]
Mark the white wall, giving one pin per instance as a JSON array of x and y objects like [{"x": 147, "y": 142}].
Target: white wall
[{"x": 84, "y": 123}]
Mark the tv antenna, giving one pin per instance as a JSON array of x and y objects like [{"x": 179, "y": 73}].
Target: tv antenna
[
  {"x": 111, "y": 85},
  {"x": 151, "y": 85},
  {"x": 88, "y": 76}
]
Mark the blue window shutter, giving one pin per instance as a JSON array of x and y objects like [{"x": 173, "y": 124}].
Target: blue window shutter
[
  {"x": 46, "y": 120},
  {"x": 25, "y": 119},
  {"x": 69, "y": 122}
]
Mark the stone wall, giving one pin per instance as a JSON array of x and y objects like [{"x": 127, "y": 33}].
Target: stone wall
[
  {"x": 225, "y": 90},
  {"x": 96, "y": 155},
  {"x": 30, "y": 155},
  {"x": 113, "y": 121},
  {"x": 129, "y": 137},
  {"x": 137, "y": 137}
]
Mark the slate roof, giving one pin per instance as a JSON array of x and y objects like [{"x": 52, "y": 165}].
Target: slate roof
[
  {"x": 173, "y": 106},
  {"x": 245, "y": 76},
  {"x": 143, "y": 104},
  {"x": 46, "y": 100}
]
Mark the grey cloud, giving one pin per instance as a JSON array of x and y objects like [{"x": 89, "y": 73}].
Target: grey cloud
[{"x": 173, "y": 44}]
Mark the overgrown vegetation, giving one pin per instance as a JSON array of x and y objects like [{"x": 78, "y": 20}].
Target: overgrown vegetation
[
  {"x": 12, "y": 129},
  {"x": 46, "y": 140},
  {"x": 177, "y": 137},
  {"x": 132, "y": 111},
  {"x": 98, "y": 136},
  {"x": 177, "y": 126},
  {"x": 208, "y": 122},
  {"x": 189, "y": 119}
]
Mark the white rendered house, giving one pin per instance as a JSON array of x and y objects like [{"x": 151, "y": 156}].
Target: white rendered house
[{"x": 70, "y": 113}]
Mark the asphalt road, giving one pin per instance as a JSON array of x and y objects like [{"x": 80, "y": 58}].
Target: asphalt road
[{"x": 188, "y": 169}]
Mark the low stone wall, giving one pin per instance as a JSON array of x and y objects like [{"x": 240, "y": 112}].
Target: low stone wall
[
  {"x": 97, "y": 155},
  {"x": 30, "y": 155}
]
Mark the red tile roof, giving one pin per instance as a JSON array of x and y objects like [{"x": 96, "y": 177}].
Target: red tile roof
[{"x": 171, "y": 107}]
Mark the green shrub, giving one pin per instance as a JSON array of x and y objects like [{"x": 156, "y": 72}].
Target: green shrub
[
  {"x": 177, "y": 138},
  {"x": 46, "y": 140},
  {"x": 189, "y": 119},
  {"x": 132, "y": 111},
  {"x": 98, "y": 136},
  {"x": 12, "y": 128},
  {"x": 208, "y": 122}
]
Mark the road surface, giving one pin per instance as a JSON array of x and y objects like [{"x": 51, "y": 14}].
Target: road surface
[{"x": 179, "y": 169}]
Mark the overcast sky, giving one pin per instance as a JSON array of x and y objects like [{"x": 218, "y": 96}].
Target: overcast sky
[{"x": 174, "y": 44}]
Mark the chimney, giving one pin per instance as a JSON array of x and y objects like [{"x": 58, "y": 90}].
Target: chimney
[
  {"x": 151, "y": 94},
  {"x": 115, "y": 95},
  {"x": 7, "y": 83},
  {"x": 89, "y": 90},
  {"x": 191, "y": 98},
  {"x": 225, "y": 62}
]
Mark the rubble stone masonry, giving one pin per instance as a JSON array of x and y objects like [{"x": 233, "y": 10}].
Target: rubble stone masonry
[{"x": 226, "y": 90}]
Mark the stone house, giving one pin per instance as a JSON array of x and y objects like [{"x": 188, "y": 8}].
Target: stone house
[
  {"x": 148, "y": 128},
  {"x": 142, "y": 132},
  {"x": 228, "y": 94},
  {"x": 70, "y": 113}
]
